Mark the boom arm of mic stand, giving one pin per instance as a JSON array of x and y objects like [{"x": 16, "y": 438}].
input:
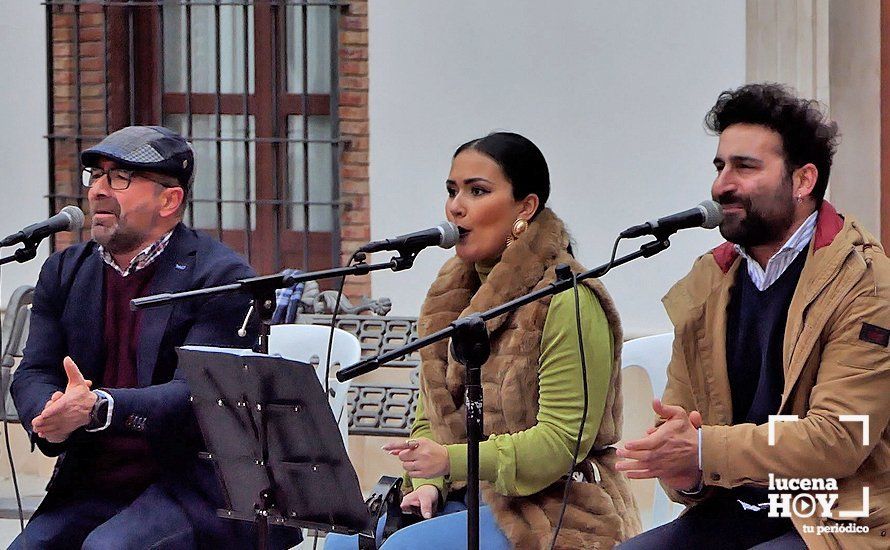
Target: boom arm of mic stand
[
  {"x": 262, "y": 289},
  {"x": 373, "y": 363},
  {"x": 268, "y": 283}
]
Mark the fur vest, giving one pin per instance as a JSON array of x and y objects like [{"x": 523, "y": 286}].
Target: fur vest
[{"x": 598, "y": 515}]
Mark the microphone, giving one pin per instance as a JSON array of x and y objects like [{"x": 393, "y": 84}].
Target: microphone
[
  {"x": 69, "y": 218},
  {"x": 707, "y": 214},
  {"x": 445, "y": 235}
]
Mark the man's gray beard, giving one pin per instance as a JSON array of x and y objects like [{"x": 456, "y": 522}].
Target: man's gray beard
[{"x": 120, "y": 242}]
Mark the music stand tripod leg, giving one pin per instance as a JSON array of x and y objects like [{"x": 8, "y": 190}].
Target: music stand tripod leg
[{"x": 264, "y": 502}]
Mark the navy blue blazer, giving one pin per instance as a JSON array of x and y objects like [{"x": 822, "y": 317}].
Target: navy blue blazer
[{"x": 67, "y": 319}]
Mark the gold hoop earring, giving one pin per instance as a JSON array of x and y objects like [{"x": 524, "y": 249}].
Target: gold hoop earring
[{"x": 519, "y": 227}]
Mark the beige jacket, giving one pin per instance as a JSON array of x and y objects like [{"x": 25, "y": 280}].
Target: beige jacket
[{"x": 836, "y": 362}]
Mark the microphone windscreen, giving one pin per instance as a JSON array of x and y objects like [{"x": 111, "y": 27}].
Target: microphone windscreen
[
  {"x": 713, "y": 214},
  {"x": 75, "y": 217},
  {"x": 450, "y": 234}
]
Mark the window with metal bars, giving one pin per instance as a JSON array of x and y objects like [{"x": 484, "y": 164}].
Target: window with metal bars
[{"x": 253, "y": 84}]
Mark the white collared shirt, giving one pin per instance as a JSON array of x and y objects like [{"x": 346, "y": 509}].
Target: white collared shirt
[{"x": 797, "y": 243}]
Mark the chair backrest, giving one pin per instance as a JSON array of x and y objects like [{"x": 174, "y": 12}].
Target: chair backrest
[
  {"x": 309, "y": 344},
  {"x": 15, "y": 323},
  {"x": 652, "y": 353},
  {"x": 382, "y": 403},
  {"x": 649, "y": 355},
  {"x": 15, "y": 334}
]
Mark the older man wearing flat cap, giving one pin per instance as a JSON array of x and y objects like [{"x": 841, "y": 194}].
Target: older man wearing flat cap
[{"x": 99, "y": 387}]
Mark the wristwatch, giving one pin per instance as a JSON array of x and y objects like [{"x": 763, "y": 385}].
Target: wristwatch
[{"x": 99, "y": 413}]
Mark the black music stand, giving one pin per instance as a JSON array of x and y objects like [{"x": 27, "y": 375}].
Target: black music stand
[{"x": 273, "y": 440}]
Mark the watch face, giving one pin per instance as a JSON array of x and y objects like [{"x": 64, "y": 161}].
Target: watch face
[{"x": 98, "y": 414}]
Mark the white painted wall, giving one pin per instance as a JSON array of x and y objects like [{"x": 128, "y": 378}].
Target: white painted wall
[
  {"x": 613, "y": 93},
  {"x": 23, "y": 161},
  {"x": 855, "y": 30}
]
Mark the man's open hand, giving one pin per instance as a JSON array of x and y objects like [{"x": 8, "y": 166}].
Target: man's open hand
[{"x": 66, "y": 412}]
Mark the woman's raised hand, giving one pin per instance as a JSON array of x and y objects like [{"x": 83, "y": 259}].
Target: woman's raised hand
[{"x": 421, "y": 457}]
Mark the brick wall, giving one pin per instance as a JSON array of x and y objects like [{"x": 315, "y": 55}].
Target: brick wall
[
  {"x": 69, "y": 121},
  {"x": 355, "y": 216},
  {"x": 353, "y": 60}
]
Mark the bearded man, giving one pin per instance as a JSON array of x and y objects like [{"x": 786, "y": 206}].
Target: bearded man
[
  {"x": 780, "y": 371},
  {"x": 99, "y": 386}
]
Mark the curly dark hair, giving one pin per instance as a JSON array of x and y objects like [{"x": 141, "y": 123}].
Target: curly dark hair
[{"x": 808, "y": 136}]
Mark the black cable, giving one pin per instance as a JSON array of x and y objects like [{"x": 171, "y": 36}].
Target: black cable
[
  {"x": 569, "y": 476},
  {"x": 315, "y": 540},
  {"x": 15, "y": 481},
  {"x": 608, "y": 266},
  {"x": 327, "y": 368},
  {"x": 5, "y": 382}
]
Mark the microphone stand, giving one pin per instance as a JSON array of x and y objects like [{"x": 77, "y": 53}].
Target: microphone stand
[
  {"x": 27, "y": 252},
  {"x": 471, "y": 347},
  {"x": 262, "y": 289}
]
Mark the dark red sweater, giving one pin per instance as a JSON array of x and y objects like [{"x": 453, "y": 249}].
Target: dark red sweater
[{"x": 123, "y": 462}]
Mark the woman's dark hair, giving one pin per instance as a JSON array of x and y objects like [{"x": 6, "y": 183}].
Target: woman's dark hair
[
  {"x": 807, "y": 134},
  {"x": 520, "y": 159}
]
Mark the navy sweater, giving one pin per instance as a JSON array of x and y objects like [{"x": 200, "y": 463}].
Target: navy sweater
[
  {"x": 755, "y": 330},
  {"x": 754, "y": 333}
]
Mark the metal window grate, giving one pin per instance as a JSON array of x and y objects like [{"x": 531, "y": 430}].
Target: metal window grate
[{"x": 253, "y": 84}]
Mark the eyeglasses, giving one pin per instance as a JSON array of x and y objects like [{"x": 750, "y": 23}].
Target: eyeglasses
[{"x": 118, "y": 178}]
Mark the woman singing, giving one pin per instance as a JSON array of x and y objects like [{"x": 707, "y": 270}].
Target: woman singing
[{"x": 533, "y": 382}]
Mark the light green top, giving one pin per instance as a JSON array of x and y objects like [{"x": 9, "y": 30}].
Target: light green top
[{"x": 526, "y": 462}]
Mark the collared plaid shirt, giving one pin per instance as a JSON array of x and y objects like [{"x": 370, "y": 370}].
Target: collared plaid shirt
[
  {"x": 142, "y": 260},
  {"x": 763, "y": 278}
]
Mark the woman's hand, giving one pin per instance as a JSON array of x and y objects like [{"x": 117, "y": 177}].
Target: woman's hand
[
  {"x": 422, "y": 457},
  {"x": 425, "y": 498}
]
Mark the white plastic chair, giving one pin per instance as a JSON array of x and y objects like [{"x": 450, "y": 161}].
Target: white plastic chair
[
  {"x": 652, "y": 354},
  {"x": 309, "y": 344}
]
